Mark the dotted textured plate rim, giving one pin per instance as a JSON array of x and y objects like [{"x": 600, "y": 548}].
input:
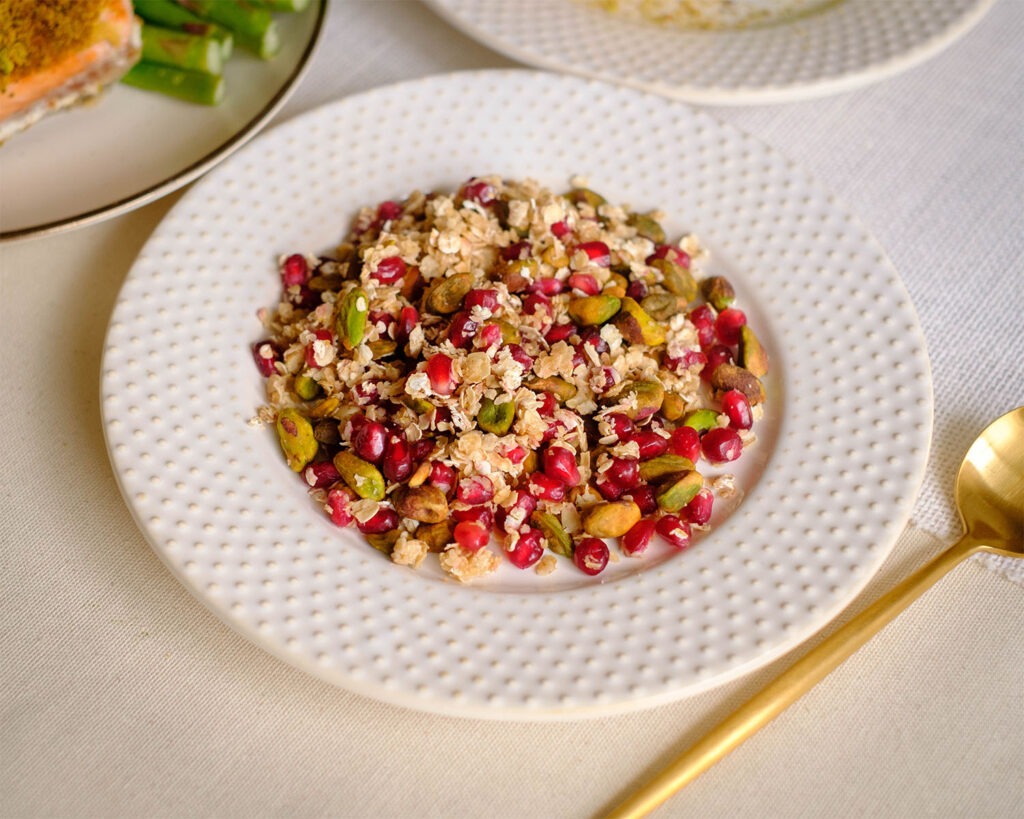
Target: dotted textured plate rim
[
  {"x": 830, "y": 50},
  {"x": 214, "y": 499}
]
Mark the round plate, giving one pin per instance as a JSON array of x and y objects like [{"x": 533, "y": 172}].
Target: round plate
[
  {"x": 131, "y": 147},
  {"x": 841, "y": 46},
  {"x": 827, "y": 489}
]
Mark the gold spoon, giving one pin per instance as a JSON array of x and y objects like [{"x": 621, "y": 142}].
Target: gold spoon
[{"x": 990, "y": 499}]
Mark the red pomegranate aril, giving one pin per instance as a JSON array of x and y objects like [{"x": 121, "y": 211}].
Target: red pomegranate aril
[
  {"x": 265, "y": 354},
  {"x": 560, "y": 463},
  {"x": 528, "y": 550},
  {"x": 673, "y": 254},
  {"x": 685, "y": 442},
  {"x": 717, "y": 354},
  {"x": 721, "y": 444},
  {"x": 320, "y": 352},
  {"x": 624, "y": 472},
  {"x": 480, "y": 515},
  {"x": 593, "y": 337},
  {"x": 650, "y": 442},
  {"x": 695, "y": 360},
  {"x": 321, "y": 474},
  {"x": 488, "y": 336},
  {"x": 338, "y": 501},
  {"x": 561, "y": 229},
  {"x": 515, "y": 516},
  {"x": 516, "y": 250},
  {"x": 548, "y": 286},
  {"x": 597, "y": 252},
  {"x": 622, "y": 425},
  {"x": 698, "y": 511},
  {"x": 384, "y": 520},
  {"x": 421, "y": 449},
  {"x": 471, "y": 536},
  {"x": 388, "y": 211},
  {"x": 368, "y": 441},
  {"x": 547, "y": 487},
  {"x": 390, "y": 270},
  {"x": 590, "y": 555},
  {"x": 521, "y": 356},
  {"x": 548, "y": 405},
  {"x": 584, "y": 283},
  {"x": 408, "y": 318},
  {"x": 675, "y": 530},
  {"x": 516, "y": 455},
  {"x": 381, "y": 320},
  {"x": 479, "y": 190},
  {"x": 607, "y": 489},
  {"x": 644, "y": 497},
  {"x": 559, "y": 332},
  {"x": 535, "y": 302},
  {"x": 441, "y": 374},
  {"x": 294, "y": 270},
  {"x": 728, "y": 324},
  {"x": 637, "y": 291},
  {"x": 703, "y": 319},
  {"x": 637, "y": 539},
  {"x": 462, "y": 330},
  {"x": 397, "y": 463},
  {"x": 737, "y": 406},
  {"x": 475, "y": 490},
  {"x": 442, "y": 476},
  {"x": 481, "y": 297}
]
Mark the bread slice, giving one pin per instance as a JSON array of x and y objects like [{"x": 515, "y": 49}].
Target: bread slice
[{"x": 57, "y": 53}]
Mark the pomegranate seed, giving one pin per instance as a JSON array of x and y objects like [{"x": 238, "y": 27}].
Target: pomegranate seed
[
  {"x": 546, "y": 487},
  {"x": 560, "y": 463},
  {"x": 728, "y": 324},
  {"x": 717, "y": 354},
  {"x": 674, "y": 530},
  {"x": 321, "y": 474},
  {"x": 397, "y": 460},
  {"x": 388, "y": 211},
  {"x": 643, "y": 496},
  {"x": 703, "y": 319},
  {"x": 593, "y": 337},
  {"x": 481, "y": 297},
  {"x": 590, "y": 555},
  {"x": 521, "y": 356},
  {"x": 695, "y": 360},
  {"x": 515, "y": 516},
  {"x": 637, "y": 539},
  {"x": 548, "y": 286},
  {"x": 561, "y": 229},
  {"x": 295, "y": 270},
  {"x": 559, "y": 332},
  {"x": 368, "y": 441},
  {"x": 737, "y": 406},
  {"x": 637, "y": 291},
  {"x": 384, "y": 520},
  {"x": 320, "y": 352},
  {"x": 441, "y": 374},
  {"x": 650, "y": 442},
  {"x": 516, "y": 250},
  {"x": 597, "y": 252},
  {"x": 408, "y": 318},
  {"x": 480, "y": 515},
  {"x": 421, "y": 449},
  {"x": 685, "y": 442},
  {"x": 721, "y": 444},
  {"x": 302, "y": 297},
  {"x": 622, "y": 425},
  {"x": 584, "y": 283},
  {"x": 462, "y": 330},
  {"x": 535, "y": 302},
  {"x": 471, "y": 536},
  {"x": 698, "y": 511},
  {"x": 381, "y": 319},
  {"x": 475, "y": 490},
  {"x": 673, "y": 254},
  {"x": 607, "y": 489},
  {"x": 265, "y": 354},
  {"x": 517, "y": 455},
  {"x": 390, "y": 270},
  {"x": 489, "y": 335},
  {"x": 442, "y": 476},
  {"x": 528, "y": 550},
  {"x": 610, "y": 377},
  {"x": 338, "y": 501},
  {"x": 624, "y": 472},
  {"x": 548, "y": 405},
  {"x": 479, "y": 190}
]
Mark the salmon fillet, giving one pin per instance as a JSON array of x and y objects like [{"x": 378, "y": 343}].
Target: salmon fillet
[{"x": 57, "y": 53}]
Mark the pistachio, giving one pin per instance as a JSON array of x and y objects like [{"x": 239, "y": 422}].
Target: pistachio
[
  {"x": 295, "y": 434},
  {"x": 306, "y": 388},
  {"x": 496, "y": 418},
  {"x": 558, "y": 539},
  {"x": 324, "y": 407},
  {"x": 676, "y": 279},
  {"x": 362, "y": 476},
  {"x": 435, "y": 535},
  {"x": 421, "y": 406},
  {"x": 647, "y": 226},
  {"x": 585, "y": 196},
  {"x": 611, "y": 519},
  {"x": 326, "y": 431},
  {"x": 509, "y": 332},
  {"x": 383, "y": 541},
  {"x": 637, "y": 327},
  {"x": 701, "y": 420},
  {"x": 662, "y": 306},
  {"x": 412, "y": 283},
  {"x": 718, "y": 291},
  {"x": 319, "y": 284},
  {"x": 674, "y": 496},
  {"x": 559, "y": 387},
  {"x": 419, "y": 477},
  {"x": 751, "y": 353},
  {"x": 350, "y": 324},
  {"x": 518, "y": 274},
  {"x": 733, "y": 377},
  {"x": 425, "y": 503},
  {"x": 592, "y": 310},
  {"x": 673, "y": 406},
  {"x": 531, "y": 462},
  {"x": 382, "y": 348},
  {"x": 649, "y": 398},
  {"x": 446, "y": 295},
  {"x": 664, "y": 465}
]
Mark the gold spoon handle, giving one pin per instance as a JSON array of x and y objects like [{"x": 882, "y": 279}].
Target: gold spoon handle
[{"x": 792, "y": 684}]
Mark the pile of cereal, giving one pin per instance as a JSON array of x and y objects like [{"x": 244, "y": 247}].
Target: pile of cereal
[{"x": 506, "y": 372}]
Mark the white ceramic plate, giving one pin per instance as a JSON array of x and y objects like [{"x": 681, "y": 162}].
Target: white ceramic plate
[
  {"x": 828, "y": 488},
  {"x": 835, "y": 48},
  {"x": 131, "y": 147}
]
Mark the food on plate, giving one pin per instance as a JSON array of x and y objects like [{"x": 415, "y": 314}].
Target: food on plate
[
  {"x": 502, "y": 373},
  {"x": 55, "y": 54},
  {"x": 710, "y": 14}
]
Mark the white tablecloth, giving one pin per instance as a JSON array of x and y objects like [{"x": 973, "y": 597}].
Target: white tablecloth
[{"x": 123, "y": 696}]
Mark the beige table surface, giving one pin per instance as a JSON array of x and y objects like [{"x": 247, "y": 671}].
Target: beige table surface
[{"x": 120, "y": 695}]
